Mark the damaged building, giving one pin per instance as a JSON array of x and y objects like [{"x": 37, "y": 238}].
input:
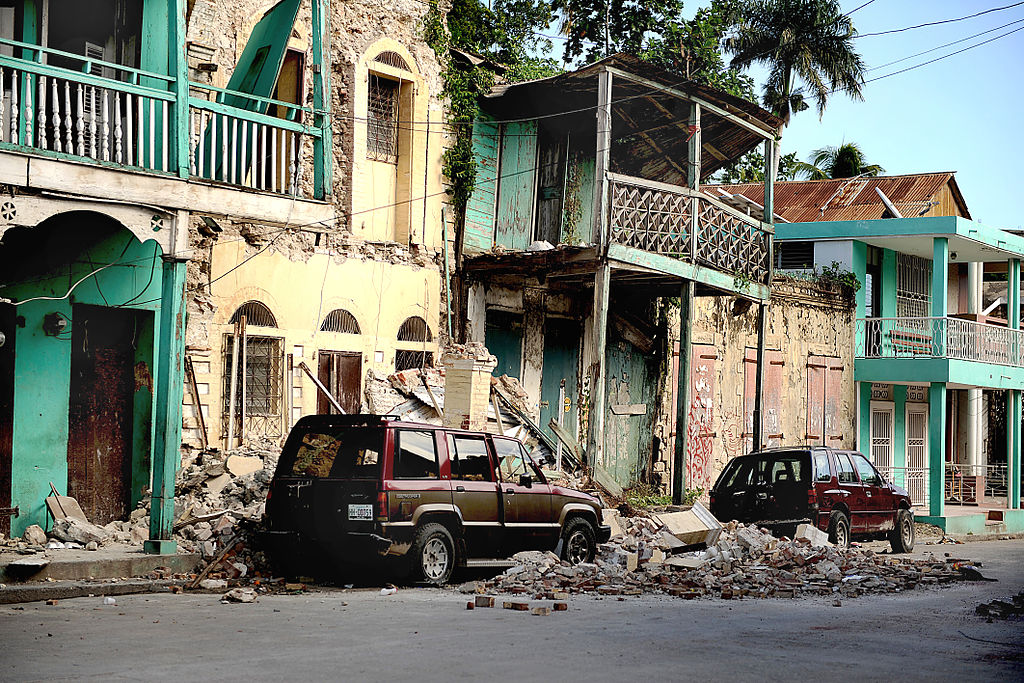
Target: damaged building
[
  {"x": 588, "y": 229},
  {"x": 207, "y": 209}
]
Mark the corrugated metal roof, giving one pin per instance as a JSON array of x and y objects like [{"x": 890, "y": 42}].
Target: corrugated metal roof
[{"x": 849, "y": 199}]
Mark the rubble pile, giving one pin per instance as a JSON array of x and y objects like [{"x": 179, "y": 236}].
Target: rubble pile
[
  {"x": 743, "y": 561},
  {"x": 1013, "y": 607}
]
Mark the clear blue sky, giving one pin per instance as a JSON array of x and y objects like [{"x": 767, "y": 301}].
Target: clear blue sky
[{"x": 962, "y": 113}]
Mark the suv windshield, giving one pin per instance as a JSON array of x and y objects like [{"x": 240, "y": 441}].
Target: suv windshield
[
  {"x": 787, "y": 467},
  {"x": 345, "y": 453}
]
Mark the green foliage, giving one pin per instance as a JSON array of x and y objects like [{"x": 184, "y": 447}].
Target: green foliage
[
  {"x": 807, "y": 47},
  {"x": 844, "y": 161},
  {"x": 598, "y": 28},
  {"x": 837, "y": 276},
  {"x": 750, "y": 169},
  {"x": 643, "y": 496}
]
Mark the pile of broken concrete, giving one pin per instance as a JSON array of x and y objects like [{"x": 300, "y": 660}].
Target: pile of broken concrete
[{"x": 654, "y": 555}]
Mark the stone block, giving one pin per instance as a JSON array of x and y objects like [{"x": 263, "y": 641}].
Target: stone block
[
  {"x": 79, "y": 531},
  {"x": 540, "y": 611},
  {"x": 813, "y": 535},
  {"x": 34, "y": 534},
  {"x": 483, "y": 601}
]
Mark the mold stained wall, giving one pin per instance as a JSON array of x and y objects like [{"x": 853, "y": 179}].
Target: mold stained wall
[{"x": 805, "y": 321}]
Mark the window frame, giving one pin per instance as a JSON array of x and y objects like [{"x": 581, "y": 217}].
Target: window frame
[
  {"x": 397, "y": 457},
  {"x": 455, "y": 461}
]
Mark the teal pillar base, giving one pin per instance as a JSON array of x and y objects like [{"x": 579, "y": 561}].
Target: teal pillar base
[{"x": 155, "y": 546}]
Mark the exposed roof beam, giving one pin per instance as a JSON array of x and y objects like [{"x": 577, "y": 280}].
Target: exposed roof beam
[{"x": 636, "y": 128}]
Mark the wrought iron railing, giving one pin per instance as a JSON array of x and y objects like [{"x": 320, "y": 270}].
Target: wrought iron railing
[
  {"x": 976, "y": 484},
  {"x": 105, "y": 113},
  {"x": 939, "y": 338},
  {"x": 913, "y": 479},
  {"x": 659, "y": 217}
]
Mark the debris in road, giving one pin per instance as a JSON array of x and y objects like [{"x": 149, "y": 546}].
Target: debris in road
[
  {"x": 743, "y": 562},
  {"x": 971, "y": 573},
  {"x": 34, "y": 535},
  {"x": 51, "y": 601},
  {"x": 109, "y": 601},
  {"x": 213, "y": 584},
  {"x": 1002, "y": 609},
  {"x": 388, "y": 590},
  {"x": 484, "y": 601},
  {"x": 470, "y": 605},
  {"x": 540, "y": 611},
  {"x": 239, "y": 595}
]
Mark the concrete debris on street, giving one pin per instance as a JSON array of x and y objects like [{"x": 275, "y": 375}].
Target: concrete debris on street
[
  {"x": 1003, "y": 609},
  {"x": 744, "y": 561}
]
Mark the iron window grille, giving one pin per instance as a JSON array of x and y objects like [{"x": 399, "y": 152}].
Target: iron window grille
[
  {"x": 794, "y": 255},
  {"x": 392, "y": 59},
  {"x": 264, "y": 385},
  {"x": 913, "y": 287},
  {"x": 382, "y": 120},
  {"x": 415, "y": 329},
  {"x": 256, "y": 313},
  {"x": 340, "y": 320}
]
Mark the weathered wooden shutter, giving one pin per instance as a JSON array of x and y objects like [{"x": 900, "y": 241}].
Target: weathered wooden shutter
[
  {"x": 260, "y": 62},
  {"x": 516, "y": 186},
  {"x": 479, "y": 233}
]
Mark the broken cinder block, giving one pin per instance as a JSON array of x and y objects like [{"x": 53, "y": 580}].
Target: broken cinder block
[{"x": 484, "y": 601}]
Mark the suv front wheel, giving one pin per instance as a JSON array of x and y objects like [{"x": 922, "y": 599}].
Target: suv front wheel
[
  {"x": 579, "y": 542},
  {"x": 433, "y": 553},
  {"x": 901, "y": 538}
]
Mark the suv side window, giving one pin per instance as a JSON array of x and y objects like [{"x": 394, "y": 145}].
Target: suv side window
[
  {"x": 512, "y": 460},
  {"x": 868, "y": 474},
  {"x": 822, "y": 471},
  {"x": 415, "y": 455},
  {"x": 846, "y": 473},
  {"x": 469, "y": 458}
]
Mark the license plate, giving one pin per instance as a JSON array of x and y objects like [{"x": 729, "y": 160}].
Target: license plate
[{"x": 360, "y": 512}]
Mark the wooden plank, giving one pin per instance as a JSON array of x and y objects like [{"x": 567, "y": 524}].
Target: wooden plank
[
  {"x": 629, "y": 409},
  {"x": 517, "y": 184},
  {"x": 480, "y": 209}
]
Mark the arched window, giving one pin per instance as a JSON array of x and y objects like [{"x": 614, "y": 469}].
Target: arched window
[
  {"x": 392, "y": 58},
  {"x": 256, "y": 313},
  {"x": 340, "y": 320},
  {"x": 415, "y": 329}
]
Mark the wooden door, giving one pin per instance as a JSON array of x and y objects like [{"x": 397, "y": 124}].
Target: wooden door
[
  {"x": 341, "y": 372},
  {"x": 550, "y": 186},
  {"x": 100, "y": 411}
]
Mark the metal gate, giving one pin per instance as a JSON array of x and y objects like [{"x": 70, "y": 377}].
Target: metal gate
[
  {"x": 917, "y": 453},
  {"x": 882, "y": 438}
]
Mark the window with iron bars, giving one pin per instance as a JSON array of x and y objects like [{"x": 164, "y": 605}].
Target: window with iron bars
[
  {"x": 382, "y": 120},
  {"x": 913, "y": 287},
  {"x": 264, "y": 388}
]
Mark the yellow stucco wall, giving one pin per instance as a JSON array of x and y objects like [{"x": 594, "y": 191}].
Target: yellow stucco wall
[{"x": 381, "y": 295}]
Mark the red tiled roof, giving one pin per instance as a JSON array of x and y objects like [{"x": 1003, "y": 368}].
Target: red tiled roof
[{"x": 800, "y": 201}]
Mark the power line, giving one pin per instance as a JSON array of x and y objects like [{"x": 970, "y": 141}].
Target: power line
[
  {"x": 859, "y": 8},
  {"x": 955, "y": 42},
  {"x": 943, "y": 21}
]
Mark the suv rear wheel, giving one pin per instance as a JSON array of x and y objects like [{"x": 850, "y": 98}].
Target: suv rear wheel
[
  {"x": 433, "y": 553},
  {"x": 901, "y": 538},
  {"x": 579, "y": 542},
  {"x": 839, "y": 529}
]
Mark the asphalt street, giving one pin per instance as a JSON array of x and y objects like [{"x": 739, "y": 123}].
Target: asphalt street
[{"x": 427, "y": 634}]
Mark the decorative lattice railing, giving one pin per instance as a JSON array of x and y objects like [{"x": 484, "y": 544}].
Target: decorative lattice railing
[{"x": 659, "y": 217}]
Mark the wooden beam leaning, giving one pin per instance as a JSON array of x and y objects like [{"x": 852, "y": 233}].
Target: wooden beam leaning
[
  {"x": 682, "y": 416},
  {"x": 319, "y": 385}
]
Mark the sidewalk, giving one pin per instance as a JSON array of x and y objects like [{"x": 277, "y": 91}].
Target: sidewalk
[{"x": 116, "y": 569}]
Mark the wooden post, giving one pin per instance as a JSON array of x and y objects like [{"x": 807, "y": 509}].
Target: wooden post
[
  {"x": 680, "y": 454},
  {"x": 602, "y": 278},
  {"x": 244, "y": 343},
  {"x": 497, "y": 412},
  {"x": 233, "y": 393},
  {"x": 323, "y": 148},
  {"x": 319, "y": 385},
  {"x": 289, "y": 387},
  {"x": 195, "y": 401}
]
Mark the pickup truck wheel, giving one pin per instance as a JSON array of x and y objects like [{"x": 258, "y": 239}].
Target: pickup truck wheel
[
  {"x": 839, "y": 529},
  {"x": 579, "y": 542},
  {"x": 901, "y": 538},
  {"x": 433, "y": 554}
]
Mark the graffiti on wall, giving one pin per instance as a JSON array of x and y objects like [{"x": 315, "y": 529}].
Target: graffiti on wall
[{"x": 699, "y": 434}]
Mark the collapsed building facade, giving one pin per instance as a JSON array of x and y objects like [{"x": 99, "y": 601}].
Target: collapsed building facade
[
  {"x": 587, "y": 218},
  {"x": 203, "y": 201}
]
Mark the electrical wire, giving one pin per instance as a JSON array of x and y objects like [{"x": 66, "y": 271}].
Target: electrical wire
[
  {"x": 855, "y": 9},
  {"x": 937, "y": 23},
  {"x": 939, "y": 47}
]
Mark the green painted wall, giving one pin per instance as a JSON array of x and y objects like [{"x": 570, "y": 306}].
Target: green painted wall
[
  {"x": 899, "y": 449},
  {"x": 628, "y": 439},
  {"x": 864, "y": 428},
  {"x": 936, "y": 448},
  {"x": 81, "y": 244},
  {"x": 518, "y": 179},
  {"x": 888, "y": 283}
]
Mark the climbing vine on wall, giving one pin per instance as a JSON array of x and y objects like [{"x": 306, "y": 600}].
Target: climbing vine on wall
[{"x": 463, "y": 85}]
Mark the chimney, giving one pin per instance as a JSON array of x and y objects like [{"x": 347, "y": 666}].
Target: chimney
[{"x": 467, "y": 385}]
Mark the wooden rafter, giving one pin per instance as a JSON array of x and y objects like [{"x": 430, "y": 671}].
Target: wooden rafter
[{"x": 657, "y": 148}]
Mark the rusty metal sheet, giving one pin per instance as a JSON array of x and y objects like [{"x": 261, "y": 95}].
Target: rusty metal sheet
[{"x": 847, "y": 199}]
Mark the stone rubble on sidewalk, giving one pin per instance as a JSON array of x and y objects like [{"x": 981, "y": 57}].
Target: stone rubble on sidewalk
[{"x": 744, "y": 561}]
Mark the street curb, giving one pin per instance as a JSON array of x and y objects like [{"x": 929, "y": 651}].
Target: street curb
[{"x": 18, "y": 593}]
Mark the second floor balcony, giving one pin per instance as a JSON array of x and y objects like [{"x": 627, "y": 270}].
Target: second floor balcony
[{"x": 945, "y": 337}]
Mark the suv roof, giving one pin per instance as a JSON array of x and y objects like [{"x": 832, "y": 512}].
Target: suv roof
[{"x": 368, "y": 420}]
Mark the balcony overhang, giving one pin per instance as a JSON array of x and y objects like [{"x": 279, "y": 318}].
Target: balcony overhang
[
  {"x": 36, "y": 172},
  {"x": 573, "y": 268},
  {"x": 955, "y": 373},
  {"x": 969, "y": 240}
]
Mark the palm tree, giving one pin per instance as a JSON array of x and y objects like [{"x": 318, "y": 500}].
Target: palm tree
[
  {"x": 845, "y": 161},
  {"x": 807, "y": 46}
]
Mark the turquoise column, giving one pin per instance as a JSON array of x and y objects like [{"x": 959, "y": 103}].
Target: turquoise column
[
  {"x": 169, "y": 393},
  {"x": 936, "y": 449},
  {"x": 937, "y": 390},
  {"x": 859, "y": 258},
  {"x": 1013, "y": 413},
  {"x": 323, "y": 147},
  {"x": 864, "y": 427}
]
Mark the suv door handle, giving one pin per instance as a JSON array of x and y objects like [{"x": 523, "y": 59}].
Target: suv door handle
[
  {"x": 460, "y": 488},
  {"x": 510, "y": 490}
]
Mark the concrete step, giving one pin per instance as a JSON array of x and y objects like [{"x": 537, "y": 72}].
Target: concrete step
[
  {"x": 65, "y": 590},
  {"x": 109, "y": 562}
]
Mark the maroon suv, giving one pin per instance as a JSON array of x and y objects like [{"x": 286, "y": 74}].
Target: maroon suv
[
  {"x": 369, "y": 489},
  {"x": 838, "y": 491}
]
